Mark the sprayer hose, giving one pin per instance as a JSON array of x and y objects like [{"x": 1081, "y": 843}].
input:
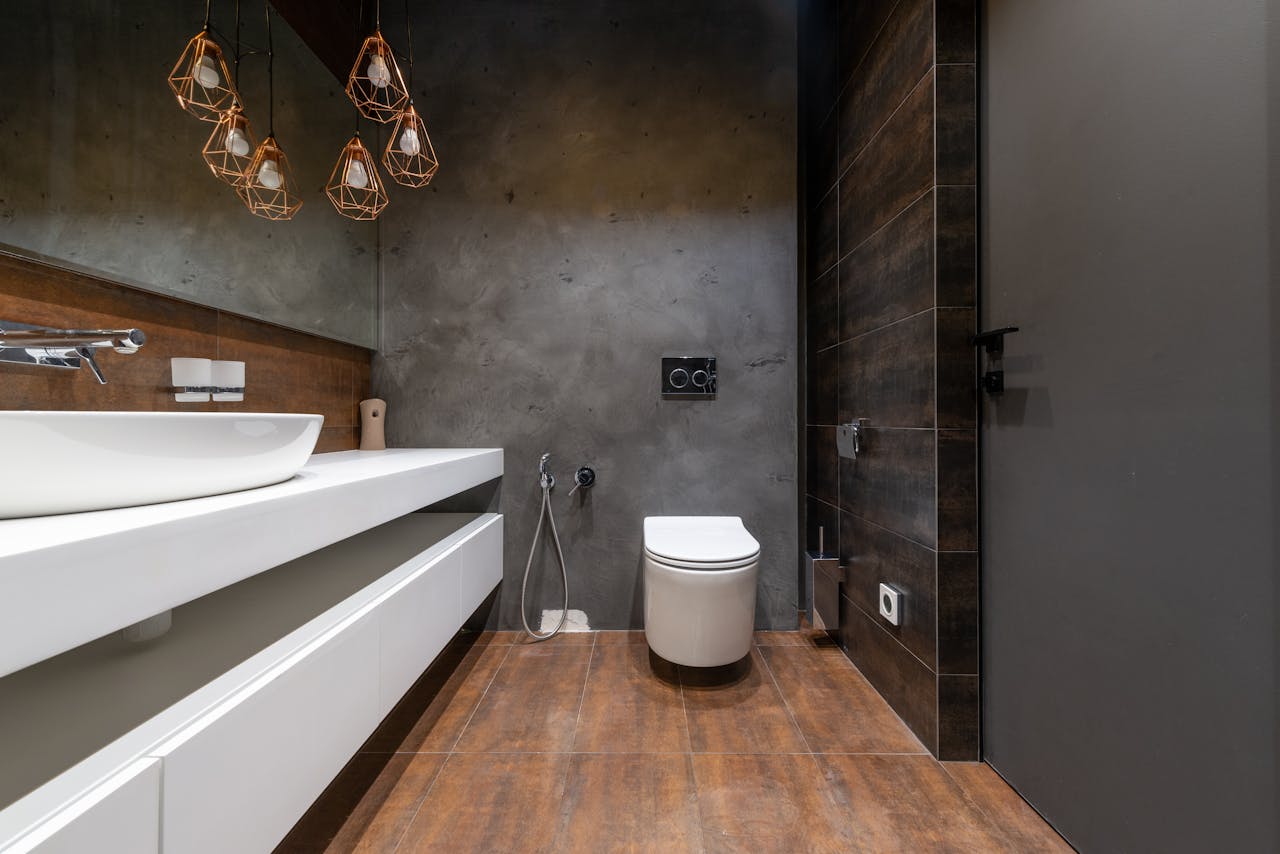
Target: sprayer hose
[{"x": 545, "y": 513}]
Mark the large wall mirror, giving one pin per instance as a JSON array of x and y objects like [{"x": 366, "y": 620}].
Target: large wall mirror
[{"x": 101, "y": 171}]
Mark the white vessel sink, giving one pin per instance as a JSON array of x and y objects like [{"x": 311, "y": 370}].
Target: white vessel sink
[{"x": 67, "y": 462}]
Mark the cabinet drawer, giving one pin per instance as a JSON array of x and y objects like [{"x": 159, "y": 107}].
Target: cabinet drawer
[
  {"x": 417, "y": 620},
  {"x": 119, "y": 816},
  {"x": 481, "y": 567},
  {"x": 238, "y": 779}
]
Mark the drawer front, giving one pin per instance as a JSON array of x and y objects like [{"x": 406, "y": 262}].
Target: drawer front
[
  {"x": 481, "y": 567},
  {"x": 120, "y": 816},
  {"x": 238, "y": 779},
  {"x": 417, "y": 621}
]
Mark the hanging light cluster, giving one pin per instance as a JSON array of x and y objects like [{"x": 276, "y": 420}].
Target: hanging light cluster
[
  {"x": 378, "y": 90},
  {"x": 258, "y": 172}
]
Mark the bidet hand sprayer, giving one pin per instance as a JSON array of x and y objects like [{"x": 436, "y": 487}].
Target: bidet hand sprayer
[{"x": 544, "y": 473}]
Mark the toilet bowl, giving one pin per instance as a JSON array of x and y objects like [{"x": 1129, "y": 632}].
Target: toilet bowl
[{"x": 699, "y": 588}]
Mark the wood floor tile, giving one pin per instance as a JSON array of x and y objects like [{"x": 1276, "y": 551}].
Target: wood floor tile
[
  {"x": 632, "y": 803},
  {"x": 764, "y": 803},
  {"x": 624, "y": 637},
  {"x": 431, "y": 716},
  {"x": 562, "y": 639},
  {"x": 836, "y": 708},
  {"x": 486, "y": 803},
  {"x": 632, "y": 703},
  {"x": 737, "y": 709},
  {"x": 532, "y": 702},
  {"x": 367, "y": 807},
  {"x": 1021, "y": 824},
  {"x": 908, "y": 804},
  {"x": 802, "y": 638}
]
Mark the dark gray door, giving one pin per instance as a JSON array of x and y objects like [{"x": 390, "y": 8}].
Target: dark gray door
[{"x": 1128, "y": 472}]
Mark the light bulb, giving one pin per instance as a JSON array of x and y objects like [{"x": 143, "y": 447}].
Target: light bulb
[
  {"x": 409, "y": 143},
  {"x": 379, "y": 74},
  {"x": 357, "y": 176},
  {"x": 206, "y": 73},
  {"x": 269, "y": 175},
  {"x": 237, "y": 142}
]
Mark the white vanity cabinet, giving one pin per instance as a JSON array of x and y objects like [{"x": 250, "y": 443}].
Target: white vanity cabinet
[
  {"x": 236, "y": 760},
  {"x": 121, "y": 815},
  {"x": 238, "y": 778}
]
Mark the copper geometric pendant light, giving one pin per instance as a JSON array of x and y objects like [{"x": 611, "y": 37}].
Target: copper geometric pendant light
[
  {"x": 231, "y": 146},
  {"x": 409, "y": 157},
  {"x": 200, "y": 79},
  {"x": 354, "y": 187},
  {"x": 375, "y": 85},
  {"x": 268, "y": 187}
]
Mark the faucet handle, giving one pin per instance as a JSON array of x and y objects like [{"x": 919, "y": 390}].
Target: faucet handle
[
  {"x": 130, "y": 340},
  {"x": 86, "y": 353}
]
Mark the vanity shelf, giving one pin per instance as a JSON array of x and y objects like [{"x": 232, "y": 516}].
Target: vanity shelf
[
  {"x": 218, "y": 735},
  {"x": 67, "y": 579}
]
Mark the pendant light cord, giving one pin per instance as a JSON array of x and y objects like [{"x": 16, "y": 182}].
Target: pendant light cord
[
  {"x": 208, "y": 4},
  {"x": 408, "y": 32},
  {"x": 236, "y": 67},
  {"x": 271, "y": 74}
]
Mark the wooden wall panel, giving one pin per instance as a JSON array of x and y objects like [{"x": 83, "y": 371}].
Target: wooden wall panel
[{"x": 286, "y": 371}]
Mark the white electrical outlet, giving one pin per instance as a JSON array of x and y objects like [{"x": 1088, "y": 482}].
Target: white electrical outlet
[{"x": 891, "y": 604}]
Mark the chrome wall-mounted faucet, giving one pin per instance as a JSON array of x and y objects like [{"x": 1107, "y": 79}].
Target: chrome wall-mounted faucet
[{"x": 64, "y": 348}]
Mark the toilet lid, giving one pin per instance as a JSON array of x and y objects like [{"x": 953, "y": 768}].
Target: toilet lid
[{"x": 699, "y": 538}]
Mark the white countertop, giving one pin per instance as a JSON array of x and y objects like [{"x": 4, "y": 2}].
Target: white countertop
[{"x": 68, "y": 579}]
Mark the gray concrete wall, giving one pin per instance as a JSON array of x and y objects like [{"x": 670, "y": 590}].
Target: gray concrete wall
[
  {"x": 99, "y": 168},
  {"x": 1129, "y": 563},
  {"x": 618, "y": 183}
]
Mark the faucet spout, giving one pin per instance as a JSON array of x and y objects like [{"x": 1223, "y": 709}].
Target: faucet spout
[{"x": 64, "y": 348}]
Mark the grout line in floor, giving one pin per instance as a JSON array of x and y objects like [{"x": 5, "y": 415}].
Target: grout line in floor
[
  {"x": 848, "y": 662},
  {"x": 693, "y": 772},
  {"x": 417, "y": 808},
  {"x": 782, "y": 696},
  {"x": 988, "y": 820},
  {"x": 453, "y": 747},
  {"x": 582, "y": 695}
]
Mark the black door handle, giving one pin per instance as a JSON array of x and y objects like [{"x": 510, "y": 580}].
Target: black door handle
[{"x": 993, "y": 341}]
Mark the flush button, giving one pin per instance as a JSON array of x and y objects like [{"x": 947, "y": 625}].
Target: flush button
[{"x": 689, "y": 377}]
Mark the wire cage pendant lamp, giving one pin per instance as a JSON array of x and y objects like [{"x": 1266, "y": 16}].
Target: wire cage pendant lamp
[
  {"x": 354, "y": 187},
  {"x": 410, "y": 158},
  {"x": 375, "y": 84},
  {"x": 200, "y": 80},
  {"x": 268, "y": 187},
  {"x": 231, "y": 146}
]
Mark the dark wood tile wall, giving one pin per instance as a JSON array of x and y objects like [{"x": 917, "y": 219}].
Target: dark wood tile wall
[
  {"x": 286, "y": 371},
  {"x": 890, "y": 183}
]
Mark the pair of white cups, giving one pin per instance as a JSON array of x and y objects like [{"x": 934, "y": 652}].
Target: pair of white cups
[{"x": 207, "y": 373}]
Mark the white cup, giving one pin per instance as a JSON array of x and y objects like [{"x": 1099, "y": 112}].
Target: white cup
[
  {"x": 189, "y": 373},
  {"x": 228, "y": 375}
]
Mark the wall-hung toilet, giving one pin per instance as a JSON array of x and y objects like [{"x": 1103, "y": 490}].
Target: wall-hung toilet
[{"x": 699, "y": 588}]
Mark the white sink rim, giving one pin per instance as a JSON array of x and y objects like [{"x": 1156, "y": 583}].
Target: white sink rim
[{"x": 72, "y": 461}]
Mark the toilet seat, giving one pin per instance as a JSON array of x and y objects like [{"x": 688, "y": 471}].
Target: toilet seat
[
  {"x": 700, "y": 565},
  {"x": 699, "y": 542}
]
